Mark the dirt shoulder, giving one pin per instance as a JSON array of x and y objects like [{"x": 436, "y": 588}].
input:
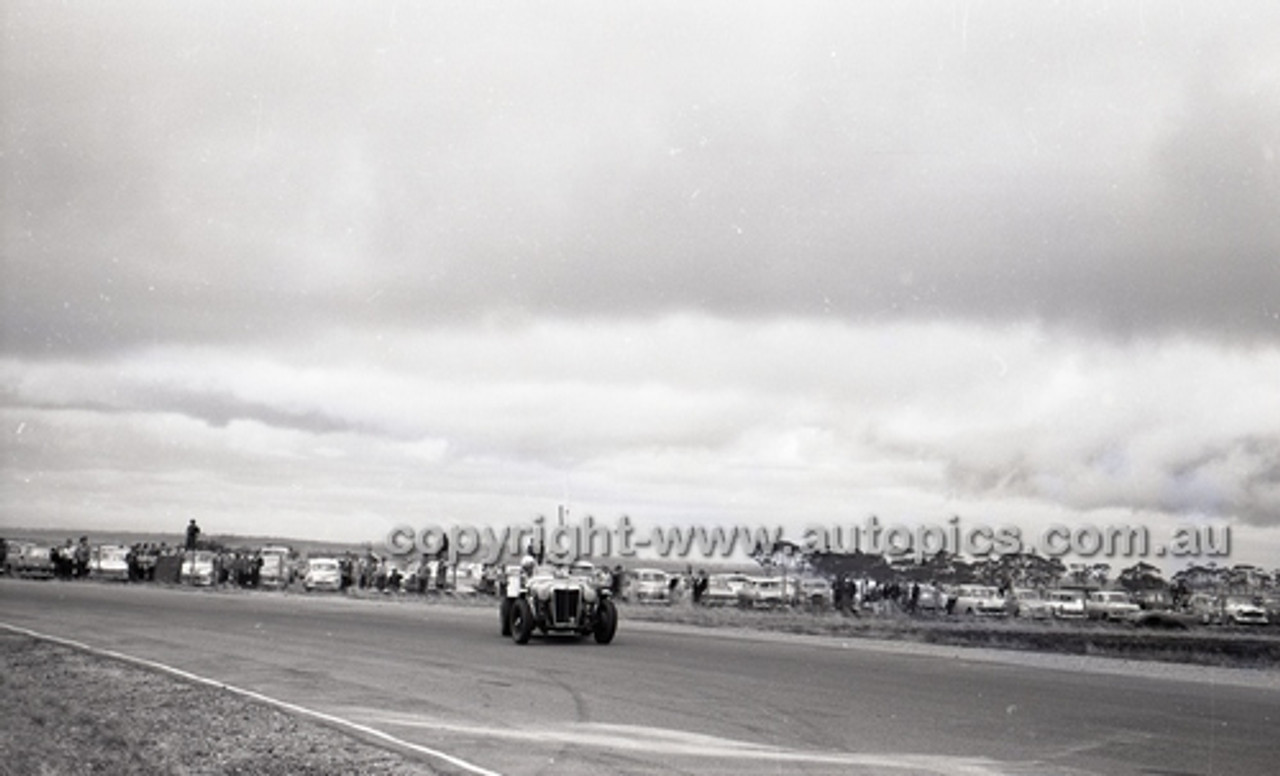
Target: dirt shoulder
[{"x": 67, "y": 711}]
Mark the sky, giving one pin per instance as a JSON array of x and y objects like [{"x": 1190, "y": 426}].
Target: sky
[{"x": 320, "y": 269}]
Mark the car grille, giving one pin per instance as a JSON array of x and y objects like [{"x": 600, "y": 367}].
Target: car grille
[{"x": 564, "y": 606}]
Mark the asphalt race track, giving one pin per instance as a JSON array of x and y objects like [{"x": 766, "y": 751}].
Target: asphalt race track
[{"x": 670, "y": 700}]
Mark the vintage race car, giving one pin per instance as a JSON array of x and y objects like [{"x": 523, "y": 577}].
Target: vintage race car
[{"x": 553, "y": 601}]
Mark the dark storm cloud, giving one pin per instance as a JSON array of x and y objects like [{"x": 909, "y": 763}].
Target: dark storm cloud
[{"x": 221, "y": 174}]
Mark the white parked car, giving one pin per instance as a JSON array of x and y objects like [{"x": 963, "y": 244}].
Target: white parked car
[
  {"x": 1110, "y": 605},
  {"x": 979, "y": 600},
  {"x": 722, "y": 589},
  {"x": 1242, "y": 610},
  {"x": 199, "y": 568},
  {"x": 322, "y": 574},
  {"x": 813, "y": 592},
  {"x": 109, "y": 561},
  {"x": 762, "y": 593},
  {"x": 1030, "y": 604},
  {"x": 1066, "y": 604},
  {"x": 932, "y": 600},
  {"x": 276, "y": 570},
  {"x": 650, "y": 586}
]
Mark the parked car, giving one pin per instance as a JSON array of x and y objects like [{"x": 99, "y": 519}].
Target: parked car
[
  {"x": 762, "y": 593},
  {"x": 322, "y": 574},
  {"x": 1271, "y": 604},
  {"x": 1204, "y": 607},
  {"x": 812, "y": 592},
  {"x": 1109, "y": 605},
  {"x": 931, "y": 600},
  {"x": 199, "y": 568},
  {"x": 650, "y": 586},
  {"x": 1066, "y": 604},
  {"x": 1153, "y": 599},
  {"x": 28, "y": 559},
  {"x": 109, "y": 561},
  {"x": 722, "y": 589},
  {"x": 276, "y": 571},
  {"x": 1242, "y": 610},
  {"x": 978, "y": 600},
  {"x": 1030, "y": 604},
  {"x": 553, "y": 601}
]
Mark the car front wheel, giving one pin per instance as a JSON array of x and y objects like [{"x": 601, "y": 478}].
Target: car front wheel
[
  {"x": 606, "y": 622},
  {"x": 521, "y": 621}
]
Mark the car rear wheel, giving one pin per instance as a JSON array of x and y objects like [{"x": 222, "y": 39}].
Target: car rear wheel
[
  {"x": 606, "y": 621},
  {"x": 521, "y": 621},
  {"x": 504, "y": 614}
]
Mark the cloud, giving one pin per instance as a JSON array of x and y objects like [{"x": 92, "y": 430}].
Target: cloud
[
  {"x": 698, "y": 409},
  {"x": 223, "y": 175},
  {"x": 715, "y": 262}
]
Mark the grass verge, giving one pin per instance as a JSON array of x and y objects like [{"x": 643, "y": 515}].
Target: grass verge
[
  {"x": 65, "y": 711},
  {"x": 1223, "y": 648}
]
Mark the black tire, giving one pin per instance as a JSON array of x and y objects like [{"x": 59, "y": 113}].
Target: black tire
[
  {"x": 606, "y": 621},
  {"x": 504, "y": 614},
  {"x": 521, "y": 621}
]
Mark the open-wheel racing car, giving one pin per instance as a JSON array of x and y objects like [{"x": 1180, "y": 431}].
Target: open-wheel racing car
[{"x": 553, "y": 601}]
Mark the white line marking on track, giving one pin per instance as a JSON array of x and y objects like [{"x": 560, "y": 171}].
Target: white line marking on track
[
  {"x": 291, "y": 708},
  {"x": 677, "y": 743}
]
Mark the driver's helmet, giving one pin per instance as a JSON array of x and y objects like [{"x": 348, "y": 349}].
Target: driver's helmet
[{"x": 528, "y": 565}]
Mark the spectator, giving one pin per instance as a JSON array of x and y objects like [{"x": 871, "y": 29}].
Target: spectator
[
  {"x": 193, "y": 534},
  {"x": 615, "y": 581},
  {"x": 700, "y": 583},
  {"x": 81, "y": 558},
  {"x": 63, "y": 560}
]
